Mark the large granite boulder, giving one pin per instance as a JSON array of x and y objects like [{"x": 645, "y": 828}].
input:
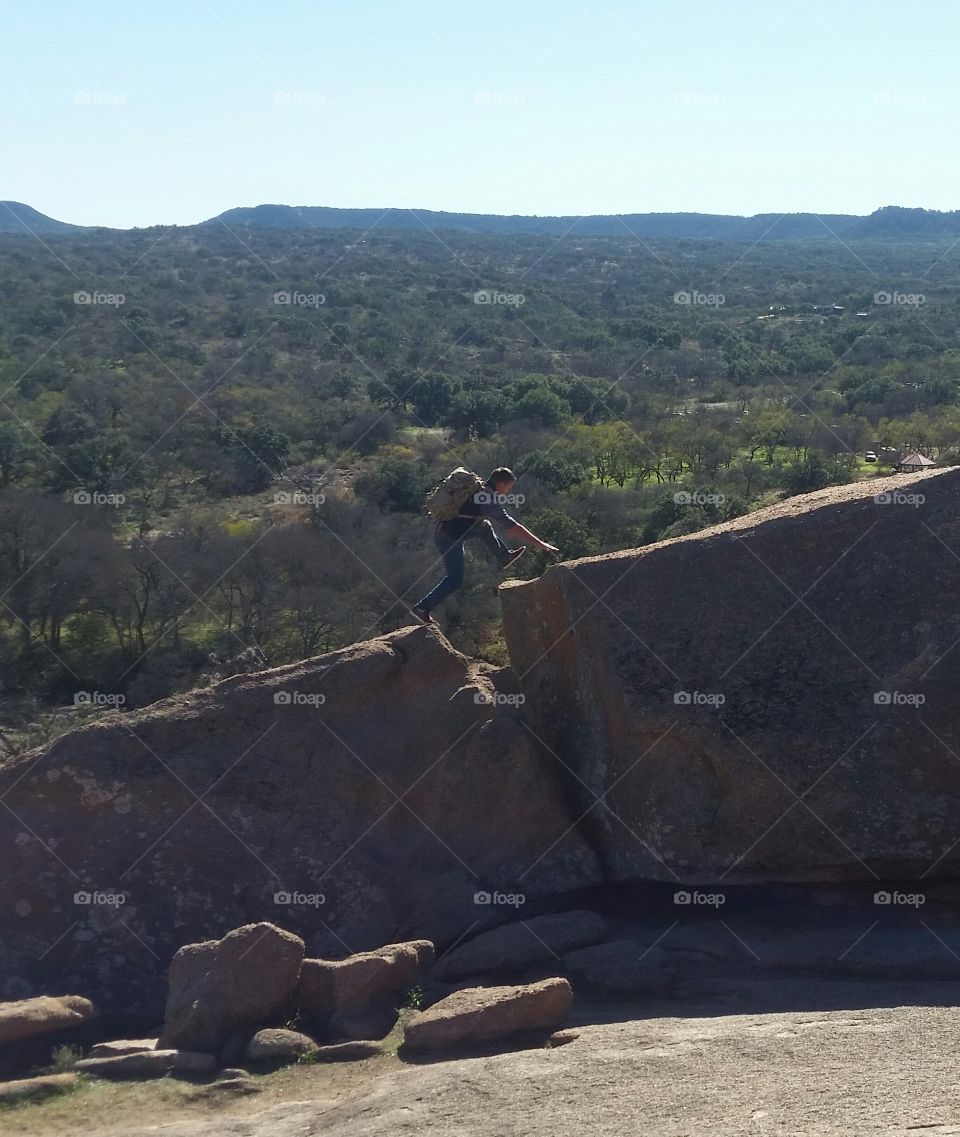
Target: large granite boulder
[
  {"x": 148, "y": 1064},
  {"x": 44, "y": 1014},
  {"x": 246, "y": 979},
  {"x": 358, "y": 997},
  {"x": 772, "y": 698},
  {"x": 482, "y": 1014},
  {"x": 277, "y": 1045},
  {"x": 358, "y": 799}
]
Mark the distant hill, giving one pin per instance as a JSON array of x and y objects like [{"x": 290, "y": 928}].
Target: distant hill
[
  {"x": 891, "y": 221},
  {"x": 693, "y": 225},
  {"x": 911, "y": 224},
  {"x": 15, "y": 217}
]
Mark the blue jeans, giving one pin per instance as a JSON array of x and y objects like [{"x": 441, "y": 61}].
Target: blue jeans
[{"x": 451, "y": 548}]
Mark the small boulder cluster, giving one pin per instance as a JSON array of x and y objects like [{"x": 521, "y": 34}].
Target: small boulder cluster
[{"x": 253, "y": 1001}]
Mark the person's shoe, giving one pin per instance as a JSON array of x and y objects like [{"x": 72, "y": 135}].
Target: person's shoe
[
  {"x": 514, "y": 555},
  {"x": 423, "y": 615}
]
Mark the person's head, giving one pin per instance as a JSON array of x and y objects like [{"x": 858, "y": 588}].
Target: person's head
[{"x": 502, "y": 480}]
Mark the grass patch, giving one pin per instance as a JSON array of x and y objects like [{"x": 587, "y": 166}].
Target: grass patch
[
  {"x": 394, "y": 1040},
  {"x": 64, "y": 1058}
]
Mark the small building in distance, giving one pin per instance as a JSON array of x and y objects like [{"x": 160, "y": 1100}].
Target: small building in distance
[{"x": 912, "y": 460}]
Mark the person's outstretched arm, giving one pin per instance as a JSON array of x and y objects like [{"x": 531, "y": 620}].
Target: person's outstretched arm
[{"x": 522, "y": 533}]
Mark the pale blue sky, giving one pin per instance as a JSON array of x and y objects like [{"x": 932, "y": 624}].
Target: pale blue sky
[{"x": 138, "y": 114}]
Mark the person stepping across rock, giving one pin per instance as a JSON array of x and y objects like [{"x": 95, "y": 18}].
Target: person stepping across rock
[{"x": 464, "y": 508}]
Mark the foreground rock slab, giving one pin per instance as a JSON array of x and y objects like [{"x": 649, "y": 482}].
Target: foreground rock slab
[
  {"x": 122, "y": 1046},
  {"x": 772, "y": 698},
  {"x": 148, "y": 1064},
  {"x": 42, "y": 1015},
  {"x": 352, "y": 1051},
  {"x": 34, "y": 1089},
  {"x": 480, "y": 1014},
  {"x": 355, "y": 798},
  {"x": 847, "y": 1060}
]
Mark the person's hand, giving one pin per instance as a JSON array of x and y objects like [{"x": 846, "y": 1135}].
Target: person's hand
[{"x": 545, "y": 548}]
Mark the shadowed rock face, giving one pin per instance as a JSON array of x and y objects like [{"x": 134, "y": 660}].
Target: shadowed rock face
[
  {"x": 371, "y": 781},
  {"x": 745, "y": 698}
]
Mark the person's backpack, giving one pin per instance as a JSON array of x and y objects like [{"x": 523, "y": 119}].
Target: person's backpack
[{"x": 445, "y": 502}]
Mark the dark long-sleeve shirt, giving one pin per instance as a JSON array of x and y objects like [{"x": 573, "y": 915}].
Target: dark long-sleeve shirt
[{"x": 483, "y": 506}]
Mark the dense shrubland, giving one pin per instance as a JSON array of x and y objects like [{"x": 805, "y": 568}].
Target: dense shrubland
[{"x": 214, "y": 444}]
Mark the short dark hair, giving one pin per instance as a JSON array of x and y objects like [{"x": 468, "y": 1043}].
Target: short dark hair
[{"x": 502, "y": 474}]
